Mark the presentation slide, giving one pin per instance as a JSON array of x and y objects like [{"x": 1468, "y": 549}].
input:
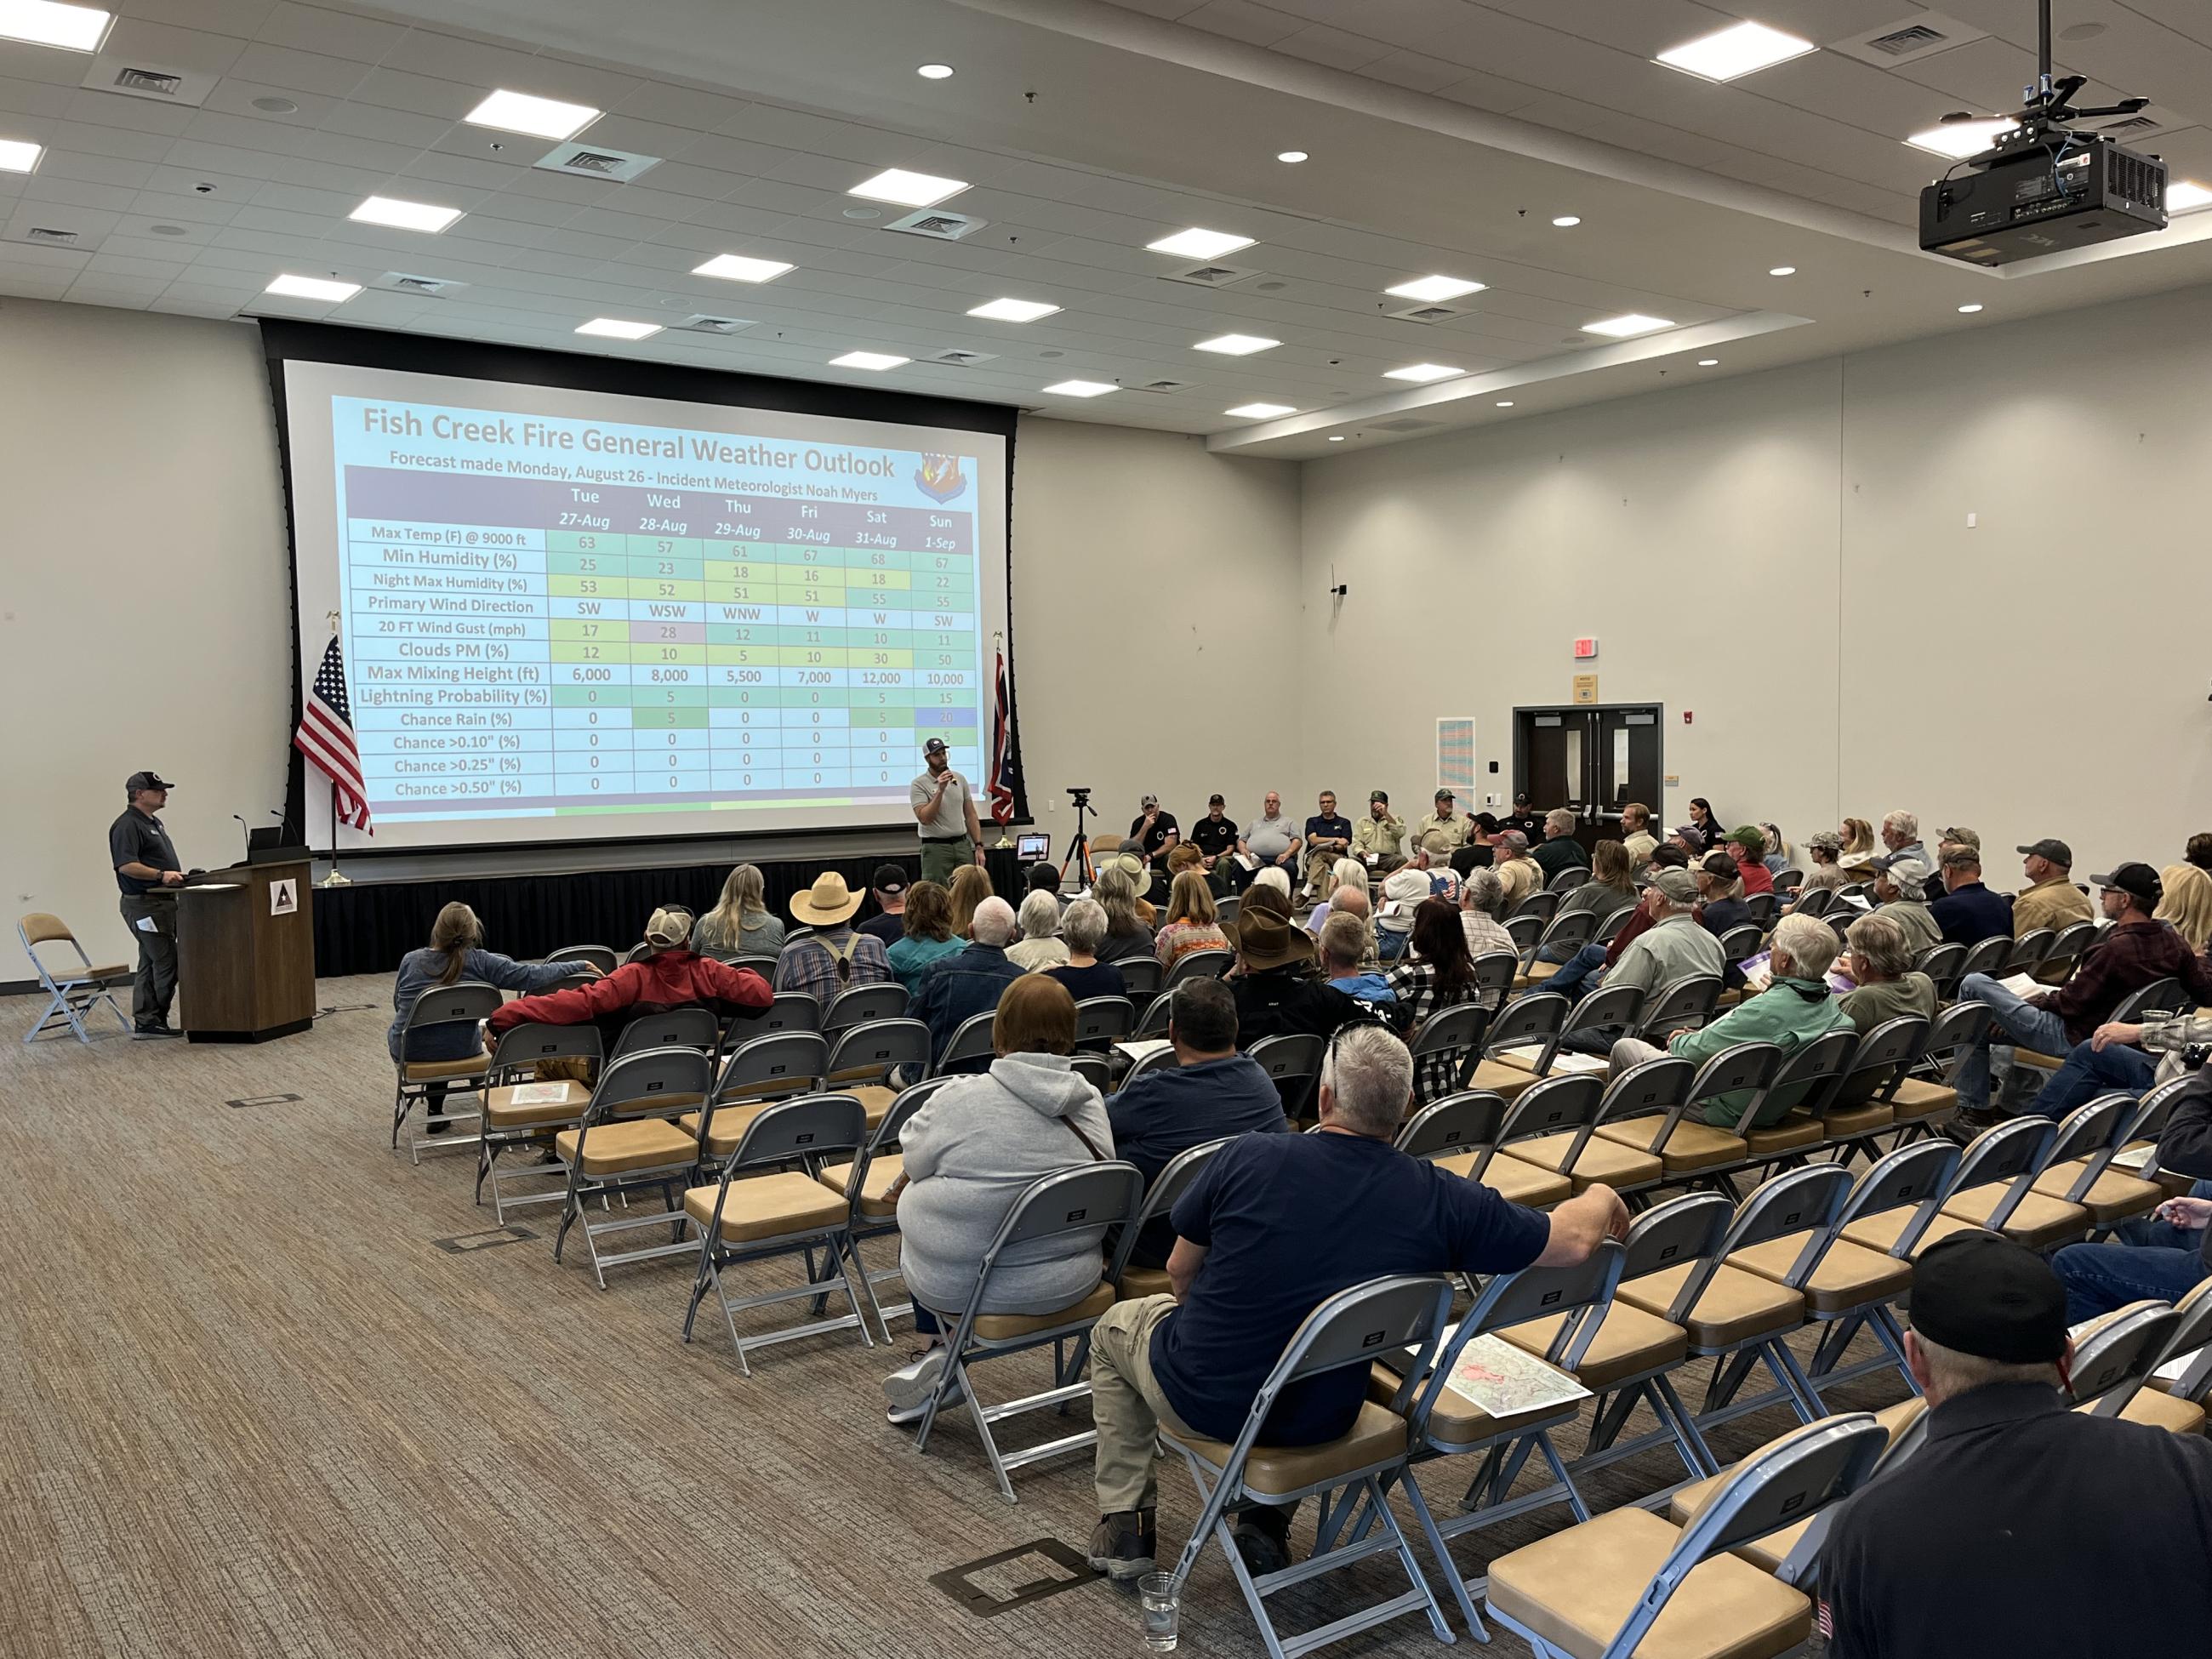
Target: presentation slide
[{"x": 571, "y": 614}]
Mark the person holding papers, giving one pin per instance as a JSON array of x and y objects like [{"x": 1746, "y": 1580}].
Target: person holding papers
[{"x": 146, "y": 869}]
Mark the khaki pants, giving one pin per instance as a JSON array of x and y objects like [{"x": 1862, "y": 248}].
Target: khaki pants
[
  {"x": 1634, "y": 1051},
  {"x": 1126, "y": 1406},
  {"x": 939, "y": 859}
]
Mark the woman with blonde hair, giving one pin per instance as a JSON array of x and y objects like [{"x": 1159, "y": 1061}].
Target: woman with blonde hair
[
  {"x": 971, "y": 886},
  {"x": 741, "y": 924},
  {"x": 2187, "y": 903},
  {"x": 1128, "y": 918},
  {"x": 1858, "y": 837},
  {"x": 1192, "y": 923}
]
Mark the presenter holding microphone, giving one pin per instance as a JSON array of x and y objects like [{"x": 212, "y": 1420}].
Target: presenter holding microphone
[
  {"x": 951, "y": 833},
  {"x": 147, "y": 869}
]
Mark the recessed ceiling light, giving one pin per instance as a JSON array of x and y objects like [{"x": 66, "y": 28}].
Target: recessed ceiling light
[
  {"x": 1199, "y": 244},
  {"x": 935, "y": 71},
  {"x": 313, "y": 287},
  {"x": 877, "y": 361},
  {"x": 614, "y": 328},
  {"x": 1422, "y": 373},
  {"x": 1260, "y": 411},
  {"x": 41, "y": 22},
  {"x": 276, "y": 107},
  {"x": 1081, "y": 388},
  {"x": 405, "y": 216},
  {"x": 1336, "y": 437},
  {"x": 863, "y": 213},
  {"x": 20, "y": 155},
  {"x": 1620, "y": 328},
  {"x": 1960, "y": 139},
  {"x": 742, "y": 267},
  {"x": 908, "y": 189},
  {"x": 171, "y": 230},
  {"x": 1014, "y": 311},
  {"x": 1237, "y": 345},
  {"x": 1782, "y": 270},
  {"x": 1709, "y": 362},
  {"x": 1505, "y": 402},
  {"x": 1292, "y": 156},
  {"x": 2186, "y": 196},
  {"x": 1737, "y": 50},
  {"x": 541, "y": 117},
  {"x": 1567, "y": 220},
  {"x": 1968, "y": 310},
  {"x": 1434, "y": 291}
]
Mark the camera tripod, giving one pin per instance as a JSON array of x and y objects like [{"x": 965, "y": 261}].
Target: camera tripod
[{"x": 1078, "y": 846}]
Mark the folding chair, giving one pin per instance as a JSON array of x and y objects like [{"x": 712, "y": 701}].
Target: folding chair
[
  {"x": 2029, "y": 950},
  {"x": 1085, "y": 1199},
  {"x": 1141, "y": 975},
  {"x": 787, "y": 1213},
  {"x": 1463, "y": 1133},
  {"x": 1209, "y": 964},
  {"x": 1858, "y": 890},
  {"x": 858, "y": 1004},
  {"x": 2005, "y": 1159},
  {"x": 789, "y": 1011},
  {"x": 1568, "y": 931},
  {"x": 2159, "y": 995},
  {"x": 637, "y": 952},
  {"x": 866, "y": 1060},
  {"x": 1684, "y": 1002},
  {"x": 1292, "y": 1061},
  {"x": 1810, "y": 1077},
  {"x": 1762, "y": 907},
  {"x": 2058, "y": 963},
  {"x": 1534, "y": 1020},
  {"x": 461, "y": 1005},
  {"x": 1446, "y": 1048},
  {"x": 72, "y": 989},
  {"x": 764, "y": 965},
  {"x": 1494, "y": 973},
  {"x": 1817, "y": 903},
  {"x": 1789, "y": 881},
  {"x": 1741, "y": 943},
  {"x": 1839, "y": 923},
  {"x": 1849, "y": 1287},
  {"x": 759, "y": 1071},
  {"x": 1917, "y": 1105},
  {"x": 1153, "y": 1022},
  {"x": 1101, "y": 1022},
  {"x": 1571, "y": 1140},
  {"x": 2112, "y": 1363},
  {"x": 1094, "y": 1069},
  {"x": 1609, "y": 929},
  {"x": 1687, "y": 1147},
  {"x": 2036, "y": 1219},
  {"x": 1568, "y": 879},
  {"x": 972, "y": 1041},
  {"x": 1615, "y": 1008},
  {"x": 1524, "y": 928},
  {"x": 2109, "y": 1195},
  {"x": 866, "y": 1183},
  {"x": 519, "y": 1111},
  {"x": 601, "y": 956},
  {"x": 627, "y": 1142},
  {"x": 1160, "y": 1059},
  {"x": 1859, "y": 1109},
  {"x": 2138, "y": 1154},
  {"x": 1227, "y": 908},
  {"x": 1989, "y": 956},
  {"x": 2178, "y": 1405},
  {"x": 1350, "y": 1328},
  {"x": 1944, "y": 964},
  {"x": 1542, "y": 905},
  {"x": 669, "y": 1028},
  {"x": 1129, "y": 1281}
]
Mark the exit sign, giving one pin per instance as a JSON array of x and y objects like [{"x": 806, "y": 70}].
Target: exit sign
[{"x": 1585, "y": 649}]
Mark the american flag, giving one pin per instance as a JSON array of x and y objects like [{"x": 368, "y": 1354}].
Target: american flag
[
  {"x": 1002, "y": 751},
  {"x": 325, "y": 737}
]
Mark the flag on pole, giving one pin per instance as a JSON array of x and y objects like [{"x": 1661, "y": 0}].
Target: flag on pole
[
  {"x": 1002, "y": 751},
  {"x": 325, "y": 737}
]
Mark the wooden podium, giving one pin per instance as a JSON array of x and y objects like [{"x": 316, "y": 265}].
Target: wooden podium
[{"x": 245, "y": 953}]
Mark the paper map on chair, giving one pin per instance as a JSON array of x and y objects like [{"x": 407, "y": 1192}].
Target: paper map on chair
[
  {"x": 1565, "y": 1061},
  {"x": 2175, "y": 1368},
  {"x": 1506, "y": 1381},
  {"x": 539, "y": 1094},
  {"x": 1138, "y": 1047},
  {"x": 2022, "y": 985},
  {"x": 2133, "y": 1159}
]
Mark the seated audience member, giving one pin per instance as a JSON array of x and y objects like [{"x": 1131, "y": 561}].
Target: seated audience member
[
  {"x": 970, "y": 1151},
  {"x": 1968, "y": 912},
  {"x": 1346, "y": 873},
  {"x": 1671, "y": 946},
  {"x": 1248, "y": 1270},
  {"x": 1156, "y": 834},
  {"x": 2020, "y": 1528},
  {"x": 2198, "y": 850},
  {"x": 1747, "y": 845},
  {"x": 672, "y": 976},
  {"x": 1350, "y": 899},
  {"x": 1378, "y": 840},
  {"x": 1523, "y": 818},
  {"x": 971, "y": 886},
  {"x": 1478, "y": 853},
  {"x": 1211, "y": 1093},
  {"x": 1193, "y": 924},
  {"x": 1778, "y": 850},
  {"x": 2130, "y": 1056},
  {"x": 1517, "y": 873},
  {"x": 1043, "y": 877},
  {"x": 1886, "y": 987},
  {"x": 1635, "y": 834},
  {"x": 1442, "y": 832},
  {"x": 889, "y": 884},
  {"x": 1274, "y": 982},
  {"x": 1318, "y": 891},
  {"x": 1821, "y": 852},
  {"x": 456, "y": 952},
  {"x": 1857, "y": 838},
  {"x": 1271, "y": 838},
  {"x": 1214, "y": 835},
  {"x": 962, "y": 987},
  {"x": 1186, "y": 856},
  {"x": 1128, "y": 918},
  {"x": 1084, "y": 927},
  {"x": 2164, "y": 1256},
  {"x": 1277, "y": 879},
  {"x": 1900, "y": 838},
  {"x": 1404, "y": 891},
  {"x": 1720, "y": 893},
  {"x": 2187, "y": 906},
  {"x": 835, "y": 956},
  {"x": 1581, "y": 969},
  {"x": 1443, "y": 880},
  {"x": 1901, "y": 892},
  {"x": 1685, "y": 836},
  {"x": 1560, "y": 852},
  {"x": 1040, "y": 945},
  {"x": 1435, "y": 973},
  {"x": 1608, "y": 890},
  {"x": 2050, "y": 899},
  {"x": 1327, "y": 837},
  {"x": 1151, "y": 879},
  {"x": 2131, "y": 953},
  {"x": 1481, "y": 896},
  {"x": 1794, "y": 1010},
  {"x": 928, "y": 938},
  {"x": 740, "y": 924},
  {"x": 1343, "y": 957},
  {"x": 1955, "y": 837}
]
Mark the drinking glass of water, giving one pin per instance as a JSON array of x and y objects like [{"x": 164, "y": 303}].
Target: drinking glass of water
[{"x": 1163, "y": 1599}]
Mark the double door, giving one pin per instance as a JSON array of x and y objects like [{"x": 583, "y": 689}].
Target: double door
[{"x": 1592, "y": 760}]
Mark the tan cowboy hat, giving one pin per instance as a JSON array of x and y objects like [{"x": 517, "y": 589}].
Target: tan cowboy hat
[
  {"x": 1267, "y": 941},
  {"x": 827, "y": 903}
]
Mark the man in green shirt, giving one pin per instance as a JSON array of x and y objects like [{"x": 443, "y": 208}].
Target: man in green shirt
[
  {"x": 1441, "y": 832},
  {"x": 1377, "y": 838}
]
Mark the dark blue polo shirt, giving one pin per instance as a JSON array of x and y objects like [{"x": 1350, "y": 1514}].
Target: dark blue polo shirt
[
  {"x": 1169, "y": 1111},
  {"x": 1970, "y": 914},
  {"x": 1335, "y": 829}
]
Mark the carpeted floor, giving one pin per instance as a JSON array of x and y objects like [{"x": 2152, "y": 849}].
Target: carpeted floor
[{"x": 248, "y": 1408}]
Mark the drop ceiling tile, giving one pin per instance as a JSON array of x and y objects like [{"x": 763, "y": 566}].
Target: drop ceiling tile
[
  {"x": 174, "y": 203},
  {"x": 274, "y": 222},
  {"x": 448, "y": 57},
  {"x": 791, "y": 129},
  {"x": 95, "y": 169},
  {"x": 20, "y": 97},
  {"x": 773, "y": 194},
  {"x": 331, "y": 34},
  {"x": 116, "y": 109},
  {"x": 234, "y": 95},
  {"x": 739, "y": 218},
  {"x": 522, "y": 209},
  {"x": 701, "y": 183},
  {"x": 1241, "y": 19},
  {"x": 565, "y": 76},
  {"x": 139, "y": 40},
  {"x": 483, "y": 179},
  {"x": 238, "y": 17},
  {"x": 280, "y": 66},
  {"x": 124, "y": 269},
  {"x": 1334, "y": 48},
  {"x": 627, "y": 132},
  {"x": 116, "y": 141},
  {"x": 45, "y": 185},
  {"x": 681, "y": 106},
  {"x": 1493, "y": 93},
  {"x": 422, "y": 94},
  {"x": 391, "y": 126},
  {"x": 728, "y": 153},
  {"x": 582, "y": 244},
  {"x": 20, "y": 61},
  {"x": 140, "y": 224},
  {"x": 1416, "y": 71},
  {"x": 577, "y": 193}
]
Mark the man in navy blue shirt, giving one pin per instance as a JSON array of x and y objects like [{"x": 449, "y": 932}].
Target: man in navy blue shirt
[
  {"x": 1328, "y": 835},
  {"x": 1214, "y": 1091},
  {"x": 1969, "y": 913},
  {"x": 1273, "y": 1226}
]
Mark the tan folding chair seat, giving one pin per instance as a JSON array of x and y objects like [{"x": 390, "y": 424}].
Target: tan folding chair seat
[
  {"x": 1879, "y": 1232},
  {"x": 2163, "y": 1411},
  {"x": 1501, "y": 1078},
  {"x": 1144, "y": 1281},
  {"x": 1514, "y": 1180},
  {"x": 729, "y": 1128},
  {"x": 884, "y": 1172},
  {"x": 1850, "y": 1275},
  {"x": 1376, "y": 1434},
  {"x": 2044, "y": 1063},
  {"x": 2037, "y": 1222},
  {"x": 1577, "y": 1588},
  {"x": 1794, "y": 1133},
  {"x": 1005, "y": 1327},
  {"x": 875, "y": 1100},
  {"x": 1458, "y": 1421},
  {"x": 1535, "y": 974},
  {"x": 500, "y": 1112},
  {"x": 1629, "y": 1343},
  {"x": 1603, "y": 1162},
  {"x": 437, "y": 1071},
  {"x": 644, "y": 1143},
  {"x": 1735, "y": 1307},
  {"x": 2114, "y": 1195},
  {"x": 1852, "y": 1121},
  {"x": 1769, "y": 1552},
  {"x": 766, "y": 1206},
  {"x": 1918, "y": 1097},
  {"x": 1692, "y": 1145}
]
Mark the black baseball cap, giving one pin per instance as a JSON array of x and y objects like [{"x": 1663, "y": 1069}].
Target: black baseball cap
[
  {"x": 1215, "y": 800},
  {"x": 934, "y": 746},
  {"x": 888, "y": 878},
  {"x": 139, "y": 780},
  {"x": 2050, "y": 847},
  {"x": 1978, "y": 1294},
  {"x": 2139, "y": 881}
]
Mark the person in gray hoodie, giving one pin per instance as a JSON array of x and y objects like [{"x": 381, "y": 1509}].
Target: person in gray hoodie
[{"x": 968, "y": 1153}]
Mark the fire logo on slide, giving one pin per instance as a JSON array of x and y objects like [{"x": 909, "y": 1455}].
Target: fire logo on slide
[{"x": 939, "y": 478}]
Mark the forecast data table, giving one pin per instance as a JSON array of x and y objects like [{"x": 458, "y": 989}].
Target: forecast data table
[{"x": 568, "y": 647}]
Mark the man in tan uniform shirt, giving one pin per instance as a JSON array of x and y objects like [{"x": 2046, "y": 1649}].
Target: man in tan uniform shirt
[{"x": 2050, "y": 899}]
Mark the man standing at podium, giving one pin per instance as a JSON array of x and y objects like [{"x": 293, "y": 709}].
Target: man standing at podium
[{"x": 146, "y": 869}]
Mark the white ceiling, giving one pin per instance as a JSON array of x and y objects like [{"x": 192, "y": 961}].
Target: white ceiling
[{"x": 1086, "y": 129}]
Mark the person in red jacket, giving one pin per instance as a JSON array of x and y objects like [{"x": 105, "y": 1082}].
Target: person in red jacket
[{"x": 673, "y": 976}]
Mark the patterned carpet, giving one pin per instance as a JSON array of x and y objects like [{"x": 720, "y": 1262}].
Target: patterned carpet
[{"x": 248, "y": 1408}]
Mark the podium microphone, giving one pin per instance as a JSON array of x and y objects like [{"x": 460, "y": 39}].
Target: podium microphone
[{"x": 248, "y": 834}]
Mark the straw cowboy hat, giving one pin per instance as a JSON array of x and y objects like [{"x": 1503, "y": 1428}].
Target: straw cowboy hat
[{"x": 826, "y": 903}]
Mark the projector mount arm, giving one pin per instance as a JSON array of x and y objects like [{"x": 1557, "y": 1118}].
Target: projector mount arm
[{"x": 2048, "y": 106}]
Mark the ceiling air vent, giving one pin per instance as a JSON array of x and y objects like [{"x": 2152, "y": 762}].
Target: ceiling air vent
[
  {"x": 1905, "y": 42},
  {"x": 177, "y": 84},
  {"x": 1908, "y": 39},
  {"x": 959, "y": 357},
  {"x": 1161, "y": 385},
  {"x": 595, "y": 161},
  {"x": 1210, "y": 275},
  {"x": 152, "y": 84},
  {"x": 1427, "y": 313},
  {"x": 701, "y": 322},
  {"x": 37, "y": 233},
  {"x": 424, "y": 288},
  {"x": 936, "y": 222}
]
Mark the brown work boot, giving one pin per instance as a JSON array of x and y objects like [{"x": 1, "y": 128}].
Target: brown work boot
[{"x": 1124, "y": 1545}]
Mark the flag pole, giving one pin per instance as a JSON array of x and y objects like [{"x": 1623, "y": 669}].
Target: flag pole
[
  {"x": 999, "y": 656},
  {"x": 337, "y": 877}
]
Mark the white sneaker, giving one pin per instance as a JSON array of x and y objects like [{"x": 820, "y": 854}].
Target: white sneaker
[
  {"x": 907, "y": 1416},
  {"x": 911, "y": 1385}
]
